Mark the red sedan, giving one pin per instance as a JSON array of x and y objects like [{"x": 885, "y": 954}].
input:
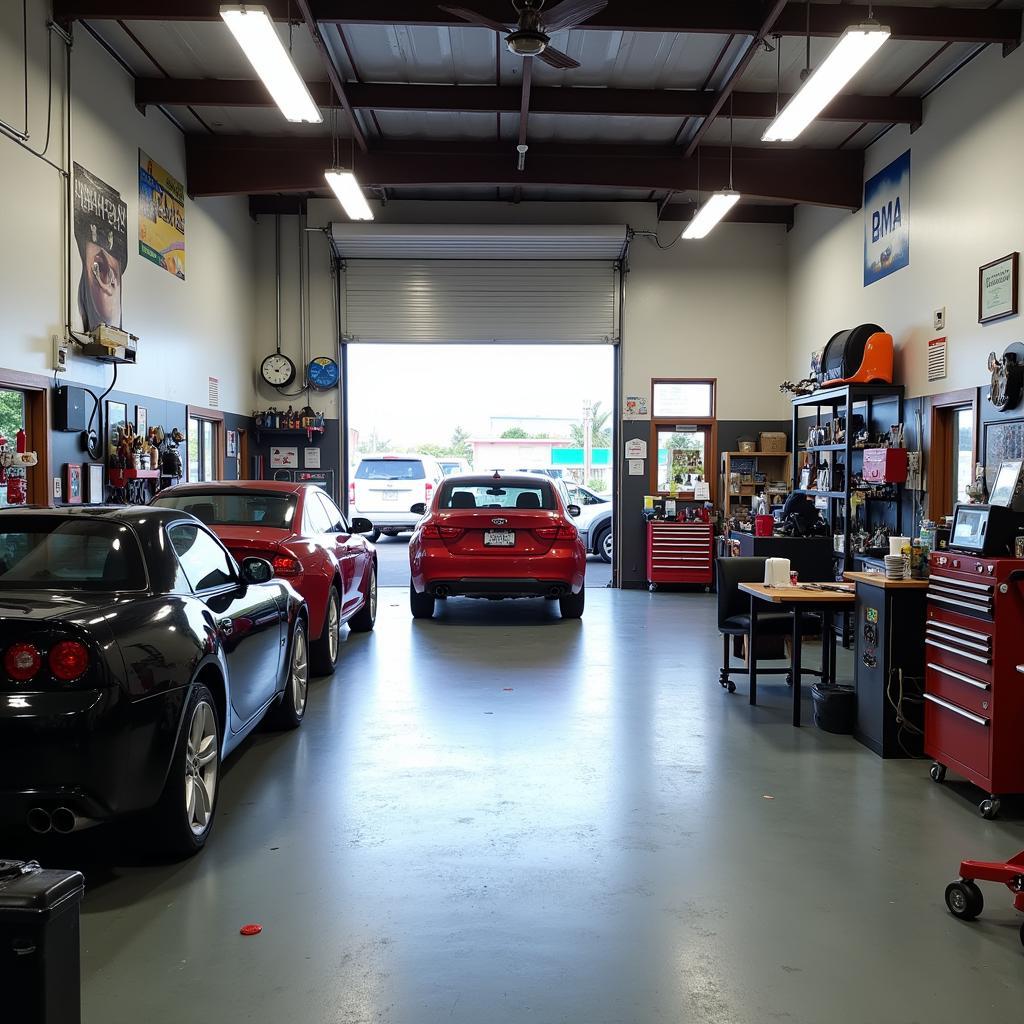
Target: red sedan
[
  {"x": 305, "y": 536},
  {"x": 494, "y": 537}
]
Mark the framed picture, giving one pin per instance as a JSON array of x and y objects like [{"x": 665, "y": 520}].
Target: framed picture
[
  {"x": 997, "y": 288},
  {"x": 117, "y": 420},
  {"x": 141, "y": 421},
  {"x": 95, "y": 480},
  {"x": 231, "y": 443},
  {"x": 73, "y": 483}
]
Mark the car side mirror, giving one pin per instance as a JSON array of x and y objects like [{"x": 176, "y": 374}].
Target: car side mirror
[
  {"x": 573, "y": 510},
  {"x": 419, "y": 509},
  {"x": 361, "y": 525},
  {"x": 257, "y": 570}
]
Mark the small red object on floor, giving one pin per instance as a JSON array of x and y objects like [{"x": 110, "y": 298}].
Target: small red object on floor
[
  {"x": 963, "y": 897},
  {"x": 250, "y": 929}
]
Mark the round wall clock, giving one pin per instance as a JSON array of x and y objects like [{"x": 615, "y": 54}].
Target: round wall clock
[
  {"x": 324, "y": 373},
  {"x": 277, "y": 370}
]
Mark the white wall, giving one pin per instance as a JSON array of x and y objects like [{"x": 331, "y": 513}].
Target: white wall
[
  {"x": 189, "y": 330},
  {"x": 967, "y": 208}
]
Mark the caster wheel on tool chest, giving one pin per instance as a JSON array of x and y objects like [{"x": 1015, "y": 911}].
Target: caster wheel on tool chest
[
  {"x": 731, "y": 686},
  {"x": 964, "y": 900},
  {"x": 989, "y": 808},
  {"x": 652, "y": 587},
  {"x": 937, "y": 772}
]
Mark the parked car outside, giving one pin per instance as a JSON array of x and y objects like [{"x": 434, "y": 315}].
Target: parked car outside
[
  {"x": 595, "y": 521},
  {"x": 450, "y": 466},
  {"x": 310, "y": 543},
  {"x": 135, "y": 655},
  {"x": 385, "y": 487},
  {"x": 495, "y": 536}
]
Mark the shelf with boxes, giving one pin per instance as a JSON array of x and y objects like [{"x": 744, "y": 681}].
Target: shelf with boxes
[{"x": 746, "y": 475}]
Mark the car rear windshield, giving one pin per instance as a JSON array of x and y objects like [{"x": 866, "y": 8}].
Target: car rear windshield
[
  {"x": 390, "y": 469},
  {"x": 69, "y": 553},
  {"x": 238, "y": 508},
  {"x": 490, "y": 493}
]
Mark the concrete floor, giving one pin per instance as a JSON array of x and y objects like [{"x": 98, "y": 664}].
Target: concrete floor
[{"x": 497, "y": 816}]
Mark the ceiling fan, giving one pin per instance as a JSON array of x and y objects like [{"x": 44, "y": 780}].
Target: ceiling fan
[{"x": 530, "y": 34}]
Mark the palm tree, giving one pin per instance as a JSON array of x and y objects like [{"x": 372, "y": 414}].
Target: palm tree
[{"x": 600, "y": 435}]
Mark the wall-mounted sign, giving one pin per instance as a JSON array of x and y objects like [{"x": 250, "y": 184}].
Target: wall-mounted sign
[
  {"x": 997, "y": 288},
  {"x": 636, "y": 448},
  {"x": 161, "y": 217},
  {"x": 311, "y": 458},
  {"x": 101, "y": 234},
  {"x": 887, "y": 220},
  {"x": 635, "y": 408},
  {"x": 284, "y": 458},
  {"x": 937, "y": 363}
]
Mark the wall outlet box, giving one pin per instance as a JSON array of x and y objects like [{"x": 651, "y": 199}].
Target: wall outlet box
[
  {"x": 60, "y": 355},
  {"x": 939, "y": 319},
  {"x": 58, "y": 488}
]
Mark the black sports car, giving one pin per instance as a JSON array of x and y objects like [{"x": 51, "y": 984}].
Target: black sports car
[{"x": 135, "y": 654}]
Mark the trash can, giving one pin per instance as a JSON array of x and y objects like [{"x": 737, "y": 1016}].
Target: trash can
[
  {"x": 835, "y": 707},
  {"x": 40, "y": 974}
]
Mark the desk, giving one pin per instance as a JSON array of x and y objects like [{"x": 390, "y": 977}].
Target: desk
[{"x": 799, "y": 599}]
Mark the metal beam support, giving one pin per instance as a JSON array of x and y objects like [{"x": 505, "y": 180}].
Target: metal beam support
[
  {"x": 232, "y": 165},
  {"x": 673, "y": 103},
  {"x": 719, "y": 17}
]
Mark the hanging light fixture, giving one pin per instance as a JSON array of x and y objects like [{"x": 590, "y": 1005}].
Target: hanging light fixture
[
  {"x": 343, "y": 182},
  {"x": 253, "y": 28},
  {"x": 718, "y": 203},
  {"x": 857, "y": 45}
]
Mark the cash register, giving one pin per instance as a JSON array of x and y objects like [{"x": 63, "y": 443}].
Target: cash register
[{"x": 992, "y": 530}]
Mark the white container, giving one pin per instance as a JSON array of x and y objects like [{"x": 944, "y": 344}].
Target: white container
[
  {"x": 776, "y": 572},
  {"x": 896, "y": 545}
]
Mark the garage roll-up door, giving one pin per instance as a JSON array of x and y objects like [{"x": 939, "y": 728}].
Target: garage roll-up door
[{"x": 555, "y": 285}]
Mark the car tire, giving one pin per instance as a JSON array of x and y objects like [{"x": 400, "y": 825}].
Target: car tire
[
  {"x": 374, "y": 536},
  {"x": 290, "y": 710},
  {"x": 391, "y": 533},
  {"x": 571, "y": 606},
  {"x": 603, "y": 544},
  {"x": 324, "y": 651},
  {"x": 421, "y": 605},
  {"x": 183, "y": 816},
  {"x": 363, "y": 620}
]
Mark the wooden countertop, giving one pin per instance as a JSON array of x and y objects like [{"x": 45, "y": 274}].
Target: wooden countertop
[
  {"x": 877, "y": 579},
  {"x": 802, "y": 593}
]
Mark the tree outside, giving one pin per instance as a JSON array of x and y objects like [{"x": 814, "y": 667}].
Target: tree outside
[
  {"x": 12, "y": 414},
  {"x": 600, "y": 434}
]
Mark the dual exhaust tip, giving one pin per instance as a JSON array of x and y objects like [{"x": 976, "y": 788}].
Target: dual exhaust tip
[{"x": 62, "y": 820}]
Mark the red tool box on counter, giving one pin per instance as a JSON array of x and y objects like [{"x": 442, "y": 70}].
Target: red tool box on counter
[{"x": 974, "y": 672}]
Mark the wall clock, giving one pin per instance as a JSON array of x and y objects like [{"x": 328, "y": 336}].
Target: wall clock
[
  {"x": 277, "y": 370},
  {"x": 323, "y": 373}
]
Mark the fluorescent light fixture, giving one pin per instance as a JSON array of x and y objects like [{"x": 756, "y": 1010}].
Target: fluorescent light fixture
[
  {"x": 252, "y": 27},
  {"x": 349, "y": 194},
  {"x": 857, "y": 45},
  {"x": 717, "y": 206}
]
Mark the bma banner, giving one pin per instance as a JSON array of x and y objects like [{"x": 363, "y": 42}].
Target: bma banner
[
  {"x": 161, "y": 217},
  {"x": 101, "y": 233},
  {"x": 887, "y": 220}
]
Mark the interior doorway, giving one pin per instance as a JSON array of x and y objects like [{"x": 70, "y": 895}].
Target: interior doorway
[{"x": 544, "y": 408}]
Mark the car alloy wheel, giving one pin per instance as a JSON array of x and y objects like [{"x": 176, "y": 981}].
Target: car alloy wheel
[
  {"x": 201, "y": 768},
  {"x": 606, "y": 546},
  {"x": 333, "y": 626},
  {"x": 299, "y": 681},
  {"x": 373, "y": 595}
]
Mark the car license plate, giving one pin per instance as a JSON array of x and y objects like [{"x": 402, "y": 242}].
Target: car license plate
[
  {"x": 390, "y": 495},
  {"x": 499, "y": 538}
]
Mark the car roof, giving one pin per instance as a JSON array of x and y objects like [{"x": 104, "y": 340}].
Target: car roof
[
  {"x": 404, "y": 456},
  {"x": 223, "y": 486},
  {"x": 512, "y": 479}
]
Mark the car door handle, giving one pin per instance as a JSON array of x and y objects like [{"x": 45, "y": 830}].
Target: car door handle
[{"x": 226, "y": 626}]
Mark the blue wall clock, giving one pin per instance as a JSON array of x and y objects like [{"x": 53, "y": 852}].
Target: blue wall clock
[{"x": 323, "y": 373}]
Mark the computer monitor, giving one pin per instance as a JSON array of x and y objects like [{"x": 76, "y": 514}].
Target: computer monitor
[{"x": 1008, "y": 490}]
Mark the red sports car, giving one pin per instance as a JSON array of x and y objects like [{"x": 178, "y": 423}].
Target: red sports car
[
  {"x": 301, "y": 531},
  {"x": 497, "y": 536}
]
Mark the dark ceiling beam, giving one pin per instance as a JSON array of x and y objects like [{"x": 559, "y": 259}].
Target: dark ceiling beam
[
  {"x": 738, "y": 71},
  {"x": 241, "y": 165},
  {"x": 721, "y": 17},
  {"x": 676, "y": 103}
]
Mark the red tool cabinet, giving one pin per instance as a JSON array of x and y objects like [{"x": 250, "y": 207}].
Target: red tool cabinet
[
  {"x": 974, "y": 672},
  {"x": 679, "y": 553}
]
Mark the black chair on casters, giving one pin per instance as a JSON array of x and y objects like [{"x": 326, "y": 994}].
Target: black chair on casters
[{"x": 734, "y": 616}]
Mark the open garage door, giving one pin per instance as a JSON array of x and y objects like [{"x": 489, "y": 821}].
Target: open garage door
[{"x": 456, "y": 283}]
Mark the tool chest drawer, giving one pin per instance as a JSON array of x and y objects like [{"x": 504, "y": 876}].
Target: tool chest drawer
[
  {"x": 965, "y": 649},
  {"x": 957, "y": 736},
  {"x": 960, "y": 688}
]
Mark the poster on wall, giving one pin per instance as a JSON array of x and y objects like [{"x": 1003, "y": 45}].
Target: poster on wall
[
  {"x": 284, "y": 458},
  {"x": 101, "y": 235},
  {"x": 161, "y": 217},
  {"x": 887, "y": 220}
]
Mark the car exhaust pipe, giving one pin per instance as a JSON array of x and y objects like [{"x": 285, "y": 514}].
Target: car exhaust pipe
[
  {"x": 441, "y": 591},
  {"x": 66, "y": 821},
  {"x": 555, "y": 592},
  {"x": 38, "y": 819}
]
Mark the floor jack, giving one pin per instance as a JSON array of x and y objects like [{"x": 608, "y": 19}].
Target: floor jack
[{"x": 964, "y": 898}]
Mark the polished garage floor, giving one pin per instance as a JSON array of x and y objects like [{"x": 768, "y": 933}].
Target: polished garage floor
[{"x": 498, "y": 816}]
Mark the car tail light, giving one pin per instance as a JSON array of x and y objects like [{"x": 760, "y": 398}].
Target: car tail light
[
  {"x": 556, "y": 532},
  {"x": 427, "y": 493},
  {"x": 68, "y": 660},
  {"x": 285, "y": 565},
  {"x": 352, "y": 493},
  {"x": 434, "y": 532},
  {"x": 22, "y": 661}
]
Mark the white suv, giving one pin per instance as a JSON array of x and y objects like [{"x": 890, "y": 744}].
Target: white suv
[{"x": 385, "y": 487}]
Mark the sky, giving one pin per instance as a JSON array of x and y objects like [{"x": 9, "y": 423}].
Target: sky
[{"x": 415, "y": 394}]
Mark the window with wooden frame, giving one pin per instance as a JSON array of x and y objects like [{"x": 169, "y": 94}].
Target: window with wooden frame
[
  {"x": 29, "y": 393},
  {"x": 684, "y": 435},
  {"x": 953, "y": 449},
  {"x": 205, "y": 444}
]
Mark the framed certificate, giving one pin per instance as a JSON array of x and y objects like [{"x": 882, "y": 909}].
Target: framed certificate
[{"x": 997, "y": 288}]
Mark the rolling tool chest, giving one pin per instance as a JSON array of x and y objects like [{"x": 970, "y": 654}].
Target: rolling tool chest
[
  {"x": 679, "y": 553},
  {"x": 974, "y": 686}
]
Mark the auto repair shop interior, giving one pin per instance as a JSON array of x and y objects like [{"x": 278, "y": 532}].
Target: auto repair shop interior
[{"x": 297, "y": 725}]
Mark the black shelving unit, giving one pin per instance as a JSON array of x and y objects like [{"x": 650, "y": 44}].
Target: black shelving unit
[
  {"x": 881, "y": 405},
  {"x": 285, "y": 432}
]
